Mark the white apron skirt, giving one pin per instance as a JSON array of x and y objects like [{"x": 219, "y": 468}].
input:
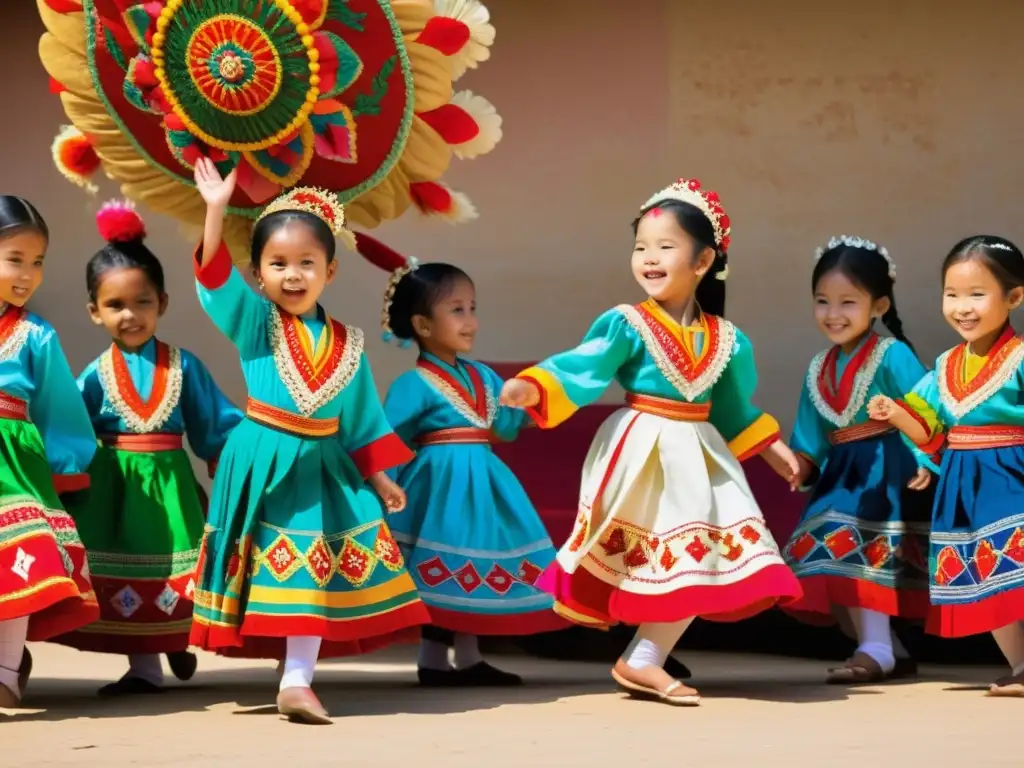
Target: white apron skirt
[{"x": 667, "y": 529}]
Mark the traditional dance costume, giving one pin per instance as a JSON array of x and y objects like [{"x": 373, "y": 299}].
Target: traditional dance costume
[
  {"x": 473, "y": 541},
  {"x": 976, "y": 553},
  {"x": 668, "y": 528},
  {"x": 142, "y": 520},
  {"x": 46, "y": 444},
  {"x": 296, "y": 545},
  {"x": 862, "y": 541}
]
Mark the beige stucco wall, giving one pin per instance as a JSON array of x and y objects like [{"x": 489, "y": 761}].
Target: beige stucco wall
[{"x": 900, "y": 121}]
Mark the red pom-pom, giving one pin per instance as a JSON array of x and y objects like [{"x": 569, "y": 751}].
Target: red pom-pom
[
  {"x": 119, "y": 222},
  {"x": 378, "y": 254}
]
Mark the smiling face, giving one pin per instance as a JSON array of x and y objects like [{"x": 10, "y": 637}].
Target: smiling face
[
  {"x": 974, "y": 302},
  {"x": 293, "y": 269},
  {"x": 128, "y": 306},
  {"x": 452, "y": 325},
  {"x": 843, "y": 310},
  {"x": 667, "y": 262},
  {"x": 21, "y": 265}
]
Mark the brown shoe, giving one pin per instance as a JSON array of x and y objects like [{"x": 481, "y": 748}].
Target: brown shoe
[
  {"x": 1011, "y": 685},
  {"x": 7, "y": 698},
  {"x": 300, "y": 705},
  {"x": 24, "y": 671}
]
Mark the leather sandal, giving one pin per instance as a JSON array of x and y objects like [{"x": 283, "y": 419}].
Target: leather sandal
[
  {"x": 638, "y": 691},
  {"x": 1009, "y": 686},
  {"x": 861, "y": 669},
  {"x": 300, "y": 705}
]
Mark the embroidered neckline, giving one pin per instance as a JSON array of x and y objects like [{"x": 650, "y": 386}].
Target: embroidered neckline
[
  {"x": 13, "y": 330},
  {"x": 142, "y": 416},
  {"x": 479, "y": 409},
  {"x": 960, "y": 397},
  {"x": 691, "y": 379},
  {"x": 840, "y": 404},
  {"x": 314, "y": 375}
]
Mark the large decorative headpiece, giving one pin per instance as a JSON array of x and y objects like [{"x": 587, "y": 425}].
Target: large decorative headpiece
[
  {"x": 317, "y": 202},
  {"x": 857, "y": 242},
  {"x": 383, "y": 257},
  {"x": 351, "y": 96},
  {"x": 705, "y": 200}
]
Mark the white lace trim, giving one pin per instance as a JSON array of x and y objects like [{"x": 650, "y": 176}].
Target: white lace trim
[
  {"x": 861, "y": 383},
  {"x": 11, "y": 346},
  {"x": 166, "y": 406},
  {"x": 720, "y": 355},
  {"x": 998, "y": 379},
  {"x": 456, "y": 401},
  {"x": 308, "y": 401}
]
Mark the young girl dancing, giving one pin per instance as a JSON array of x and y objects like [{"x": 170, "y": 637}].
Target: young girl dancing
[
  {"x": 668, "y": 528},
  {"x": 860, "y": 545},
  {"x": 46, "y": 444},
  {"x": 142, "y": 518},
  {"x": 976, "y": 552},
  {"x": 473, "y": 541},
  {"x": 297, "y": 560}
]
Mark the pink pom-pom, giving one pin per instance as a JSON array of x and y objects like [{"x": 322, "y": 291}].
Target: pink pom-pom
[{"x": 119, "y": 222}]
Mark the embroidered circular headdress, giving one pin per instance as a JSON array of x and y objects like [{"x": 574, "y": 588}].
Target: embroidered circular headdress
[
  {"x": 354, "y": 97},
  {"x": 857, "y": 242}
]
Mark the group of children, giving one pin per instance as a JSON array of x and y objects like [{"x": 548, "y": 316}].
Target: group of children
[{"x": 338, "y": 524}]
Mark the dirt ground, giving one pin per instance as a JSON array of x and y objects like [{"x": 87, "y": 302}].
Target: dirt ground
[{"x": 757, "y": 711}]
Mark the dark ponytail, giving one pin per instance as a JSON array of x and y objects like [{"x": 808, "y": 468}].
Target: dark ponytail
[
  {"x": 710, "y": 293},
  {"x": 866, "y": 267}
]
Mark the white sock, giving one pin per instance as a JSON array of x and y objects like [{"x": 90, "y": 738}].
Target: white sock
[
  {"x": 12, "y": 645},
  {"x": 433, "y": 655},
  {"x": 1010, "y": 640},
  {"x": 300, "y": 662},
  {"x": 467, "y": 651},
  {"x": 653, "y": 642},
  {"x": 875, "y": 636},
  {"x": 146, "y": 666}
]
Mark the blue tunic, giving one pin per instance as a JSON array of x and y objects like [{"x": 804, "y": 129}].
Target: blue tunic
[
  {"x": 862, "y": 539},
  {"x": 473, "y": 541}
]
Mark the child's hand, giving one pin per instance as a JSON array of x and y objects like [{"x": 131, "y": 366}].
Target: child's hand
[
  {"x": 783, "y": 461},
  {"x": 215, "y": 190},
  {"x": 881, "y": 408},
  {"x": 921, "y": 480},
  {"x": 806, "y": 469},
  {"x": 391, "y": 493},
  {"x": 518, "y": 393}
]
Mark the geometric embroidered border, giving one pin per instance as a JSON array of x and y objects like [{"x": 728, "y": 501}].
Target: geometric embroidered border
[
  {"x": 975, "y": 564},
  {"x": 435, "y": 571}
]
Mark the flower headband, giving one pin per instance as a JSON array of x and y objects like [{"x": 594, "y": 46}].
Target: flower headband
[
  {"x": 704, "y": 200},
  {"x": 318, "y": 202},
  {"x": 858, "y": 242}
]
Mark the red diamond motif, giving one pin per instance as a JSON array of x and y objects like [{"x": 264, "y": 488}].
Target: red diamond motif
[
  {"x": 528, "y": 573},
  {"x": 282, "y": 556},
  {"x": 985, "y": 559},
  {"x": 750, "y": 533},
  {"x": 387, "y": 551},
  {"x": 948, "y": 566},
  {"x": 320, "y": 562},
  {"x": 468, "y": 578},
  {"x": 802, "y": 547},
  {"x": 841, "y": 543},
  {"x": 499, "y": 579},
  {"x": 668, "y": 559},
  {"x": 697, "y": 549},
  {"x": 1014, "y": 548},
  {"x": 731, "y": 549},
  {"x": 616, "y": 543},
  {"x": 433, "y": 571},
  {"x": 356, "y": 562},
  {"x": 877, "y": 551},
  {"x": 636, "y": 558}
]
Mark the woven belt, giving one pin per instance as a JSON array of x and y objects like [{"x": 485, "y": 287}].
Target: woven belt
[
  {"x": 288, "y": 422},
  {"x": 456, "y": 436},
  {"x": 977, "y": 438},
  {"x": 13, "y": 408},
  {"x": 859, "y": 432},
  {"x": 669, "y": 409},
  {"x": 152, "y": 443}
]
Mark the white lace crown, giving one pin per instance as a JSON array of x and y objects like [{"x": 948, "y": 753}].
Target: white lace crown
[{"x": 858, "y": 242}]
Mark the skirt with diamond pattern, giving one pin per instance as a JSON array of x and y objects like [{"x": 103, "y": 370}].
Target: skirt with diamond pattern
[
  {"x": 43, "y": 569},
  {"x": 141, "y": 521}
]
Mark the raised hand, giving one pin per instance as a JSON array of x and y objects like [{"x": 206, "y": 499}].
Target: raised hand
[{"x": 216, "y": 191}]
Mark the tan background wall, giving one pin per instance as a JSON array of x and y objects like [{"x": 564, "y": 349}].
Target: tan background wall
[{"x": 899, "y": 123}]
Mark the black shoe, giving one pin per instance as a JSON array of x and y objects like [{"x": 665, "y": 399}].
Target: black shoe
[
  {"x": 905, "y": 667},
  {"x": 483, "y": 674},
  {"x": 183, "y": 664},
  {"x": 129, "y": 686},
  {"x": 678, "y": 670},
  {"x": 24, "y": 670},
  {"x": 437, "y": 678}
]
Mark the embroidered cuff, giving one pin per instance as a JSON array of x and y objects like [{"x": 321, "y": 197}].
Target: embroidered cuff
[
  {"x": 216, "y": 272},
  {"x": 554, "y": 406},
  {"x": 77, "y": 481},
  {"x": 755, "y": 438},
  {"x": 381, "y": 455}
]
